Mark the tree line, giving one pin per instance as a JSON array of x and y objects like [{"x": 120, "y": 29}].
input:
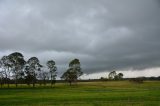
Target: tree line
[
  {"x": 14, "y": 67},
  {"x": 113, "y": 75}
]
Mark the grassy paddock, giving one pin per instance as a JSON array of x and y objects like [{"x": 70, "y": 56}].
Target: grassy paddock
[{"x": 111, "y": 93}]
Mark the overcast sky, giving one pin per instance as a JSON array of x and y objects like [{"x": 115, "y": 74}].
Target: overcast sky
[{"x": 106, "y": 35}]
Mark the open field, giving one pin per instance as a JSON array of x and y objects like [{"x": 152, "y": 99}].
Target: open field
[{"x": 111, "y": 93}]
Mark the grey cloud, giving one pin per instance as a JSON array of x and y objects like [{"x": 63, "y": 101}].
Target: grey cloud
[{"x": 104, "y": 34}]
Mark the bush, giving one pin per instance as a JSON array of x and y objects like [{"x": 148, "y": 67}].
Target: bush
[{"x": 137, "y": 80}]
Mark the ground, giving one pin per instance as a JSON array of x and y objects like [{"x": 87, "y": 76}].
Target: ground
[{"x": 108, "y": 93}]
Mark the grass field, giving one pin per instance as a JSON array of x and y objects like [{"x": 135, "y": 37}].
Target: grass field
[{"x": 111, "y": 93}]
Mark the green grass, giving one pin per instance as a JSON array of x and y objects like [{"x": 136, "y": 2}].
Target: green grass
[{"x": 111, "y": 93}]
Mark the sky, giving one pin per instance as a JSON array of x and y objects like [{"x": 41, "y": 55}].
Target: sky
[{"x": 105, "y": 35}]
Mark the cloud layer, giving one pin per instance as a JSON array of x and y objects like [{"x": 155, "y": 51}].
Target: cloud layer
[{"x": 104, "y": 34}]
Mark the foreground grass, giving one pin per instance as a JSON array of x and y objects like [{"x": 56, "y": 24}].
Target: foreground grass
[{"x": 112, "y": 93}]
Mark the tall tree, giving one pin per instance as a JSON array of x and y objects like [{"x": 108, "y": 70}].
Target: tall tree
[
  {"x": 17, "y": 63},
  {"x": 120, "y": 76},
  {"x": 1, "y": 78},
  {"x": 43, "y": 75},
  {"x": 28, "y": 75},
  {"x": 112, "y": 75},
  {"x": 1, "y": 74},
  {"x": 52, "y": 69},
  {"x": 74, "y": 71},
  {"x": 5, "y": 66},
  {"x": 33, "y": 65}
]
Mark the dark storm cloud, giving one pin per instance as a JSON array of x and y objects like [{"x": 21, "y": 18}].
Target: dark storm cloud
[{"x": 104, "y": 34}]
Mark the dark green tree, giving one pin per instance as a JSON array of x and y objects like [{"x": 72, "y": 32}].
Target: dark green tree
[
  {"x": 120, "y": 76},
  {"x": 28, "y": 75},
  {"x": 33, "y": 65},
  {"x": 17, "y": 63},
  {"x": 5, "y": 66},
  {"x": 1, "y": 75},
  {"x": 112, "y": 75},
  {"x": 52, "y": 69},
  {"x": 1, "y": 78},
  {"x": 45, "y": 76},
  {"x": 73, "y": 72}
]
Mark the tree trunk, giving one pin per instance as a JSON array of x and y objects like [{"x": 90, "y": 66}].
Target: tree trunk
[
  {"x": 8, "y": 78},
  {"x": 33, "y": 84},
  {"x": 16, "y": 82},
  {"x": 40, "y": 83},
  {"x": 70, "y": 83},
  {"x": 51, "y": 80},
  {"x": 44, "y": 82},
  {"x": 8, "y": 82},
  {"x": 34, "y": 80},
  {"x": 28, "y": 84},
  {"x": 1, "y": 82}
]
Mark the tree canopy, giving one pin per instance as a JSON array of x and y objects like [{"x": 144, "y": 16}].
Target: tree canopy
[{"x": 73, "y": 72}]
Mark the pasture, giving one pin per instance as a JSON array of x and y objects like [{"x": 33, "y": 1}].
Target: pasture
[{"x": 108, "y": 93}]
